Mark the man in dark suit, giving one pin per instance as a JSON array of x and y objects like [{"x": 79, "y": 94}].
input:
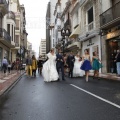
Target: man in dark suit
[
  {"x": 60, "y": 63},
  {"x": 70, "y": 62}
]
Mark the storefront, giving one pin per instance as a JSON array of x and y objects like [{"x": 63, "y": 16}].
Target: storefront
[
  {"x": 92, "y": 44},
  {"x": 112, "y": 46}
]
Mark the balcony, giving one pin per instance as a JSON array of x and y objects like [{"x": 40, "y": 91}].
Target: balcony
[
  {"x": 110, "y": 17},
  {"x": 3, "y": 7},
  {"x": 11, "y": 15},
  {"x": 5, "y": 38}
]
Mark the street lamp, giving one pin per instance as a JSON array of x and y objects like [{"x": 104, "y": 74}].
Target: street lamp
[{"x": 64, "y": 32}]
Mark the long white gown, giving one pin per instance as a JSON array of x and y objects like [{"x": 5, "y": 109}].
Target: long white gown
[
  {"x": 49, "y": 71},
  {"x": 76, "y": 70}
]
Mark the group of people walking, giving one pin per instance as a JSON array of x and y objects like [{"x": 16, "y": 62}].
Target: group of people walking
[
  {"x": 78, "y": 66},
  {"x": 7, "y": 65}
]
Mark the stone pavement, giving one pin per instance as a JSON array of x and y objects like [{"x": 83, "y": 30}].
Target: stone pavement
[{"x": 7, "y": 80}]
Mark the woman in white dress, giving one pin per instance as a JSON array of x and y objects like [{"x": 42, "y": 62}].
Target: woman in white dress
[
  {"x": 49, "y": 71},
  {"x": 77, "y": 64}
]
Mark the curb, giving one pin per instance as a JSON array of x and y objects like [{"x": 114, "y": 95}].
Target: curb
[{"x": 12, "y": 85}]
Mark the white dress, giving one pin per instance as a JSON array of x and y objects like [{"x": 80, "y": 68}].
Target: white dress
[
  {"x": 49, "y": 71},
  {"x": 76, "y": 70}
]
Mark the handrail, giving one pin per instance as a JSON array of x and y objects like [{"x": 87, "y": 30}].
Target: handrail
[
  {"x": 110, "y": 14},
  {"x": 5, "y": 35}
]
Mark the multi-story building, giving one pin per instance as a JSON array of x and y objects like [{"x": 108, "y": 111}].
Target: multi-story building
[
  {"x": 48, "y": 40},
  {"x": 7, "y": 24},
  {"x": 42, "y": 51},
  {"x": 15, "y": 8},
  {"x": 110, "y": 33},
  {"x": 33, "y": 53},
  {"x": 29, "y": 48},
  {"x": 23, "y": 37},
  {"x": 52, "y": 23}
]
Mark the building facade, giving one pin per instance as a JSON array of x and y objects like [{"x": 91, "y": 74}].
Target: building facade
[
  {"x": 29, "y": 48},
  {"x": 48, "y": 38},
  {"x": 110, "y": 33},
  {"x": 42, "y": 51},
  {"x": 93, "y": 24},
  {"x": 7, "y": 24}
]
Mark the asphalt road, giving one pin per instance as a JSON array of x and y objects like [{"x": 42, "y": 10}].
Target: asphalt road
[{"x": 73, "y": 99}]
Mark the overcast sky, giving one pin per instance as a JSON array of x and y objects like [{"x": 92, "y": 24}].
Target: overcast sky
[{"x": 35, "y": 18}]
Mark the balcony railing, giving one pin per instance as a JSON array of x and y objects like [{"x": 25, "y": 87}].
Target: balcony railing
[
  {"x": 110, "y": 15},
  {"x": 90, "y": 26},
  {"x": 11, "y": 15},
  {"x": 5, "y": 35}
]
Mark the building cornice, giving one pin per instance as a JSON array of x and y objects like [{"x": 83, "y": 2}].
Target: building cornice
[{"x": 68, "y": 4}]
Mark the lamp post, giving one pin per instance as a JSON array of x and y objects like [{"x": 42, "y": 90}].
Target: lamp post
[{"x": 64, "y": 33}]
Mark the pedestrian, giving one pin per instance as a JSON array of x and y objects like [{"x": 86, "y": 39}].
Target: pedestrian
[
  {"x": 60, "y": 63},
  {"x": 9, "y": 66},
  {"x": 96, "y": 65},
  {"x": 86, "y": 65},
  {"x": 4, "y": 65},
  {"x": 118, "y": 62},
  {"x": 77, "y": 64},
  {"x": 40, "y": 64},
  {"x": 70, "y": 62},
  {"x": 29, "y": 65},
  {"x": 34, "y": 66}
]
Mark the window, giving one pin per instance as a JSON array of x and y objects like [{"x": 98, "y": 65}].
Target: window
[
  {"x": 17, "y": 40},
  {"x": 17, "y": 24},
  {"x": 8, "y": 28},
  {"x": 12, "y": 33},
  {"x": 90, "y": 15}
]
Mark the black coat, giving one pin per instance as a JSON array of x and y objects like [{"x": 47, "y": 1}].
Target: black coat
[
  {"x": 59, "y": 60},
  {"x": 70, "y": 61}
]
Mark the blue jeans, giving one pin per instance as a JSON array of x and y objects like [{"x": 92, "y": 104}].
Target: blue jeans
[{"x": 118, "y": 68}]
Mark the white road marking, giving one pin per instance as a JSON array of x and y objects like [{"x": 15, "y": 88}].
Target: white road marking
[{"x": 96, "y": 96}]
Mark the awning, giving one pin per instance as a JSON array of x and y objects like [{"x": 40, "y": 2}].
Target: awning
[
  {"x": 84, "y": 38},
  {"x": 75, "y": 32}
]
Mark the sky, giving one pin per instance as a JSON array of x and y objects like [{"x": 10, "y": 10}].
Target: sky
[{"x": 35, "y": 21}]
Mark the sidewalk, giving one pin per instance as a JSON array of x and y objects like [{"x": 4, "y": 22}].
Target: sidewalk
[
  {"x": 108, "y": 76},
  {"x": 7, "y": 80}
]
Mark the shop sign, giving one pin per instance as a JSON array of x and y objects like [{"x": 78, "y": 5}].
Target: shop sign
[{"x": 113, "y": 34}]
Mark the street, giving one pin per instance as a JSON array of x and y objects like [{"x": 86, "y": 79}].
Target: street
[{"x": 73, "y": 99}]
